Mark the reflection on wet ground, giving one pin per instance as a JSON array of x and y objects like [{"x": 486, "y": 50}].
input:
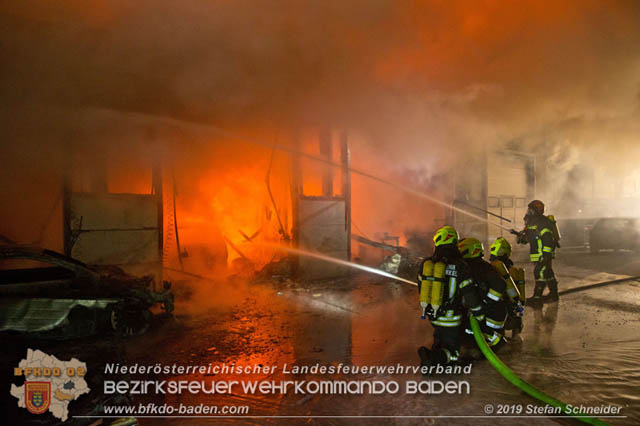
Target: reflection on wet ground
[
  {"x": 623, "y": 262},
  {"x": 583, "y": 350}
]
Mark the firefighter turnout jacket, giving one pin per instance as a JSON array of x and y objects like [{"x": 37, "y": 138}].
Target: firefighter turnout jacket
[
  {"x": 492, "y": 289},
  {"x": 540, "y": 236}
]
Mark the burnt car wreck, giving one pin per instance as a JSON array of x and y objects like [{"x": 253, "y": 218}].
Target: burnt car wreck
[{"x": 65, "y": 298}]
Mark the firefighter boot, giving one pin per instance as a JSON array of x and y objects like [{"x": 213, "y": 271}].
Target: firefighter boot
[
  {"x": 536, "y": 300},
  {"x": 553, "y": 291},
  {"x": 517, "y": 327},
  {"x": 499, "y": 344},
  {"x": 425, "y": 358}
]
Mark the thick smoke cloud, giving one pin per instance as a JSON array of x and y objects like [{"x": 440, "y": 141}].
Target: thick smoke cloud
[
  {"x": 423, "y": 80},
  {"x": 381, "y": 65}
]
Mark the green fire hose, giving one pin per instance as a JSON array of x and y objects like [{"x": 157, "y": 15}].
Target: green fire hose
[{"x": 515, "y": 380}]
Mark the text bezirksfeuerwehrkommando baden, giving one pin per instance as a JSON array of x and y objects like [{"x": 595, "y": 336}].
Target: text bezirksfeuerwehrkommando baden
[{"x": 333, "y": 383}]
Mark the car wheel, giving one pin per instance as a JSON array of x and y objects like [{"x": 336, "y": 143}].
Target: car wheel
[{"x": 128, "y": 321}]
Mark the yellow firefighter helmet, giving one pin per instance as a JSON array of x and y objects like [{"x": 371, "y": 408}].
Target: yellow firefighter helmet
[
  {"x": 445, "y": 235},
  {"x": 471, "y": 248},
  {"x": 501, "y": 247}
]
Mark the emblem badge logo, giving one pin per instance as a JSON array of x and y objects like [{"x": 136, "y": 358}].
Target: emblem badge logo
[{"x": 37, "y": 396}]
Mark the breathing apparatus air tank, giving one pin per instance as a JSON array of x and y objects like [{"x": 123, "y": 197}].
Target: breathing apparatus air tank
[
  {"x": 512, "y": 289},
  {"x": 425, "y": 287},
  {"x": 438, "y": 284},
  {"x": 518, "y": 277},
  {"x": 555, "y": 230}
]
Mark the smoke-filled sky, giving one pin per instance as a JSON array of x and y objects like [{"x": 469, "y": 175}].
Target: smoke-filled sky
[{"x": 415, "y": 71}]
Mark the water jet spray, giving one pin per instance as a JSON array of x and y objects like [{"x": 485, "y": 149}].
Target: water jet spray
[
  {"x": 502, "y": 368},
  {"x": 341, "y": 262}
]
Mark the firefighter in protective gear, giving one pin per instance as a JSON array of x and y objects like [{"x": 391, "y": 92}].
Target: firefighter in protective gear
[
  {"x": 492, "y": 289},
  {"x": 447, "y": 293},
  {"x": 501, "y": 250},
  {"x": 541, "y": 234},
  {"x": 514, "y": 279}
]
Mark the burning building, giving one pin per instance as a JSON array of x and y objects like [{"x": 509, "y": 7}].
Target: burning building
[{"x": 246, "y": 152}]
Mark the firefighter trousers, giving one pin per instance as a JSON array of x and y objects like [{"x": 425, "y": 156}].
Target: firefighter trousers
[
  {"x": 446, "y": 345},
  {"x": 544, "y": 276}
]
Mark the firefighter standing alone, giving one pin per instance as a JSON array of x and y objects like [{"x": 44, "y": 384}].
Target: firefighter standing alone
[{"x": 541, "y": 234}]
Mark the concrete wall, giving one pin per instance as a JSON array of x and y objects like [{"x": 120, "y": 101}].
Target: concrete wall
[{"x": 322, "y": 228}]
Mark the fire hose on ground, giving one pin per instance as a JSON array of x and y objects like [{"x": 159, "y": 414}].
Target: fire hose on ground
[
  {"x": 598, "y": 285},
  {"x": 515, "y": 380},
  {"x": 502, "y": 368}
]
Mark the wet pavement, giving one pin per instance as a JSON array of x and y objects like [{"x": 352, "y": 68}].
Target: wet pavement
[
  {"x": 582, "y": 350},
  {"x": 585, "y": 349}
]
